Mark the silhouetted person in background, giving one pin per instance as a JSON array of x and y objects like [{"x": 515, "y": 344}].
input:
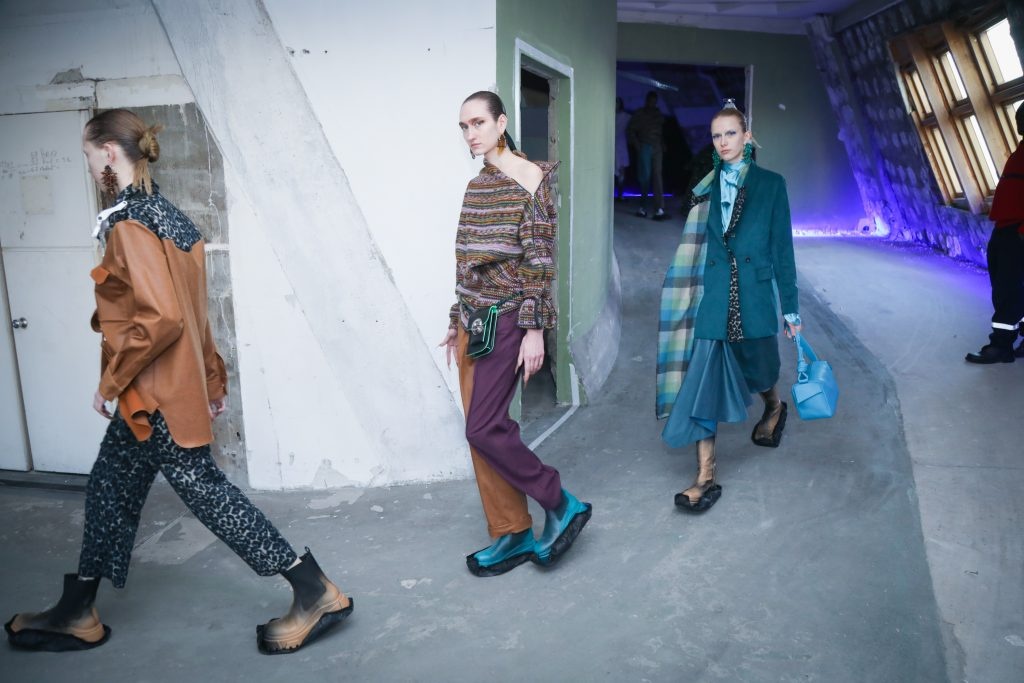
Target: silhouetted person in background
[
  {"x": 645, "y": 132},
  {"x": 678, "y": 158},
  {"x": 621, "y": 146},
  {"x": 1006, "y": 261}
]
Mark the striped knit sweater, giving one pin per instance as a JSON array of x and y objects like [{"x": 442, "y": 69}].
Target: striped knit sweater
[{"x": 505, "y": 248}]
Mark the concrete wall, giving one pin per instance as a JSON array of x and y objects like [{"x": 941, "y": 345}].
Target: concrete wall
[
  {"x": 337, "y": 319},
  {"x": 340, "y": 171},
  {"x": 790, "y": 113},
  {"x": 76, "y": 71},
  {"x": 579, "y": 34},
  {"x": 385, "y": 87},
  {"x": 895, "y": 179},
  {"x": 61, "y": 55},
  {"x": 344, "y": 282},
  {"x": 386, "y": 81}
]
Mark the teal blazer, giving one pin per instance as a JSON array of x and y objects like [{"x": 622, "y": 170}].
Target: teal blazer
[{"x": 763, "y": 246}]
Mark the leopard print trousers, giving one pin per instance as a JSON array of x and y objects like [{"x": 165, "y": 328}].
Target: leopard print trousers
[{"x": 121, "y": 479}]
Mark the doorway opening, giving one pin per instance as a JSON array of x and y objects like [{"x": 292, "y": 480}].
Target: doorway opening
[
  {"x": 543, "y": 129},
  {"x": 688, "y": 96},
  {"x": 534, "y": 114}
]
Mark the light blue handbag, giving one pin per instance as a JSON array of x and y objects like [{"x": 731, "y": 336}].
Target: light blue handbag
[{"x": 815, "y": 393}]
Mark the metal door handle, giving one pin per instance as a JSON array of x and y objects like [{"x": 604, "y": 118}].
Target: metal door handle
[{"x": 19, "y": 323}]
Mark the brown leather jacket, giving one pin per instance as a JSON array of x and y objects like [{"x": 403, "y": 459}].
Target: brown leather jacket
[{"x": 157, "y": 349}]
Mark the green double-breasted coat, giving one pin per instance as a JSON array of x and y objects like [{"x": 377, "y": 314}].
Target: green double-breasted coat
[{"x": 763, "y": 246}]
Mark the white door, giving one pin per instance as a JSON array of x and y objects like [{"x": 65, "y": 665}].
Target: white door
[
  {"x": 47, "y": 205},
  {"x": 14, "y": 453}
]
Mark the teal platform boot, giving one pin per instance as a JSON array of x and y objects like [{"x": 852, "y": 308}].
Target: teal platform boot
[
  {"x": 563, "y": 525},
  {"x": 504, "y": 555}
]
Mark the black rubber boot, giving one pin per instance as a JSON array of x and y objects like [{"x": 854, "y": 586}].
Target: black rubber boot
[
  {"x": 990, "y": 353},
  {"x": 71, "y": 624},
  {"x": 317, "y": 605}
]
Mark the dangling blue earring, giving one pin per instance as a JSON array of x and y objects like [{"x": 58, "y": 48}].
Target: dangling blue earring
[
  {"x": 716, "y": 160},
  {"x": 748, "y": 152}
]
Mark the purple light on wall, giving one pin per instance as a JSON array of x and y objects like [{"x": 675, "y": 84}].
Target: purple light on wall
[{"x": 865, "y": 227}]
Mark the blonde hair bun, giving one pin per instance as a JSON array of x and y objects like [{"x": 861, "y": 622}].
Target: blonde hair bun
[{"x": 148, "y": 144}]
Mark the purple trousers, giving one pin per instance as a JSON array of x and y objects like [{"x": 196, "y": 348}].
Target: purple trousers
[{"x": 493, "y": 434}]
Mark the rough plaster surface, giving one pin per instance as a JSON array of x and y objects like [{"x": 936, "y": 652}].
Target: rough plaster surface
[
  {"x": 595, "y": 352},
  {"x": 320, "y": 238},
  {"x": 288, "y": 402},
  {"x": 54, "y": 57},
  {"x": 385, "y": 81}
]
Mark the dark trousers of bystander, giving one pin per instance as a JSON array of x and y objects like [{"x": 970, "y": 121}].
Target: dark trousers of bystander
[
  {"x": 649, "y": 174},
  {"x": 1006, "y": 273}
]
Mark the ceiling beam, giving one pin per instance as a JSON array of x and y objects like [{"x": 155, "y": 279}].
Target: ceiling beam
[{"x": 715, "y": 21}]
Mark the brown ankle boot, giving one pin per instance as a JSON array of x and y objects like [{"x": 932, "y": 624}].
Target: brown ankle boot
[
  {"x": 317, "y": 605},
  {"x": 71, "y": 624},
  {"x": 705, "y": 492}
]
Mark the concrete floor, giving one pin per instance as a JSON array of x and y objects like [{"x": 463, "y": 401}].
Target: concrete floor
[
  {"x": 919, "y": 313},
  {"x": 813, "y": 566}
]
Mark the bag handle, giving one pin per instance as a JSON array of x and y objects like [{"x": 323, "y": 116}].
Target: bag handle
[{"x": 803, "y": 353}]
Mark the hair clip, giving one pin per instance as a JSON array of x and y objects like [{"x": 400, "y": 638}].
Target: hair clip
[{"x": 730, "y": 103}]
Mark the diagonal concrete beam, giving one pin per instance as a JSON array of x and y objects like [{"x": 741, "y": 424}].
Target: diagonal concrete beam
[{"x": 267, "y": 131}]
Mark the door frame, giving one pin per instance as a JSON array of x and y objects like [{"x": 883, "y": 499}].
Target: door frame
[{"x": 543, "y": 64}]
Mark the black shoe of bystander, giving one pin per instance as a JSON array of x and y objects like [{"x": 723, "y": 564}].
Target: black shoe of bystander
[{"x": 991, "y": 354}]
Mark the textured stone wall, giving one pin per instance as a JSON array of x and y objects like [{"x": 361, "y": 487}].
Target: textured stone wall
[
  {"x": 190, "y": 174},
  {"x": 888, "y": 160}
]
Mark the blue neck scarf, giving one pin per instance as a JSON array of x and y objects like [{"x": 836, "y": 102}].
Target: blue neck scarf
[{"x": 730, "y": 180}]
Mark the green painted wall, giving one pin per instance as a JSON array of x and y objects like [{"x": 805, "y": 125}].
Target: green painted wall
[
  {"x": 791, "y": 115},
  {"x": 582, "y": 35}
]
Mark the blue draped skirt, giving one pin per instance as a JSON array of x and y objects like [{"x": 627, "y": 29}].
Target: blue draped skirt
[{"x": 714, "y": 390}]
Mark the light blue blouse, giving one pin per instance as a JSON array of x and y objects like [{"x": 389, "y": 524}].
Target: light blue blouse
[{"x": 730, "y": 179}]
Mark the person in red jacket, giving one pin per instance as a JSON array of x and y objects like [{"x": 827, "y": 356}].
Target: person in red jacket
[{"x": 1006, "y": 261}]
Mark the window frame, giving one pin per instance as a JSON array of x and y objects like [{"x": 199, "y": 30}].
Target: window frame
[{"x": 960, "y": 152}]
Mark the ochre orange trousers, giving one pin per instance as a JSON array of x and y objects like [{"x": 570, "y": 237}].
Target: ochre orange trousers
[{"x": 504, "y": 506}]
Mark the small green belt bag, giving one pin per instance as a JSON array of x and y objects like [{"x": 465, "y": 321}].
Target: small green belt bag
[{"x": 483, "y": 327}]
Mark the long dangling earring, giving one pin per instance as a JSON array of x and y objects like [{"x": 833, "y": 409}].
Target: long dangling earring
[
  {"x": 748, "y": 152},
  {"x": 716, "y": 160},
  {"x": 501, "y": 143},
  {"x": 109, "y": 177}
]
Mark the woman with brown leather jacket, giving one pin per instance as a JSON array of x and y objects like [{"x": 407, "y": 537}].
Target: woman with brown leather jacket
[{"x": 160, "y": 364}]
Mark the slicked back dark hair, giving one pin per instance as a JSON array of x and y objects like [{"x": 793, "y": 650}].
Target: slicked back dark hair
[{"x": 496, "y": 107}]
